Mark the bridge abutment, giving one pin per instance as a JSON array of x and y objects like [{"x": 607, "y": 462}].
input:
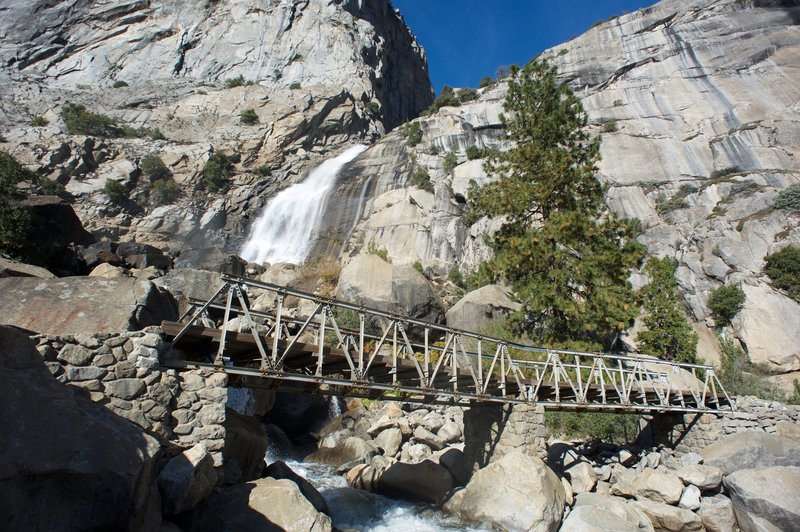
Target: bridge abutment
[{"x": 492, "y": 430}]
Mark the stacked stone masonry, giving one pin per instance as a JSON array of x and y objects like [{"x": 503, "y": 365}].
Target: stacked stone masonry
[
  {"x": 123, "y": 373},
  {"x": 692, "y": 433}
]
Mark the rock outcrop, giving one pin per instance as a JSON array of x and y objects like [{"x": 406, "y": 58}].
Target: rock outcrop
[
  {"x": 80, "y": 305},
  {"x": 99, "y": 472}
]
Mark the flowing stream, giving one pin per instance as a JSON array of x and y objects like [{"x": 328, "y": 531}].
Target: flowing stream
[
  {"x": 354, "y": 509},
  {"x": 283, "y": 231}
]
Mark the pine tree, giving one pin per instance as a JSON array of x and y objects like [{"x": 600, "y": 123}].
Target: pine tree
[
  {"x": 565, "y": 257},
  {"x": 669, "y": 334}
]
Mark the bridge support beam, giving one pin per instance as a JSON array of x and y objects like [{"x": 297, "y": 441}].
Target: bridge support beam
[{"x": 492, "y": 430}]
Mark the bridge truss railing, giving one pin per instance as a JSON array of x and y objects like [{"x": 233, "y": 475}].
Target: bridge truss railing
[{"x": 404, "y": 356}]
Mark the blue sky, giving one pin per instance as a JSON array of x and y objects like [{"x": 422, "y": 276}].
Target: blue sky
[{"x": 468, "y": 39}]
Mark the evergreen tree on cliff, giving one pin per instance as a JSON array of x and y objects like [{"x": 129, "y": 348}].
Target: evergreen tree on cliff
[{"x": 566, "y": 258}]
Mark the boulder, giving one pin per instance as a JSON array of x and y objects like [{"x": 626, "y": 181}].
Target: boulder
[
  {"x": 363, "y": 477},
  {"x": 423, "y": 435},
  {"x": 389, "y": 441},
  {"x": 788, "y": 430},
  {"x": 669, "y": 518},
  {"x": 98, "y": 471},
  {"x": 351, "y": 449},
  {"x": 9, "y": 268},
  {"x": 690, "y": 499},
  {"x": 393, "y": 288},
  {"x": 625, "y": 485},
  {"x": 186, "y": 480},
  {"x": 212, "y": 259},
  {"x": 766, "y": 498},
  {"x": 457, "y": 464},
  {"x": 566, "y": 461},
  {"x": 766, "y": 311},
  {"x": 192, "y": 284},
  {"x": 717, "y": 514},
  {"x": 245, "y": 447},
  {"x": 107, "y": 271},
  {"x": 54, "y": 227},
  {"x": 703, "y": 476},
  {"x": 480, "y": 307},
  {"x": 264, "y": 504},
  {"x": 414, "y": 453},
  {"x": 517, "y": 492},
  {"x": 658, "y": 487},
  {"x": 280, "y": 471},
  {"x": 138, "y": 255},
  {"x": 747, "y": 450},
  {"x": 598, "y": 513},
  {"x": 426, "y": 481},
  {"x": 77, "y": 305},
  {"x": 450, "y": 432}
]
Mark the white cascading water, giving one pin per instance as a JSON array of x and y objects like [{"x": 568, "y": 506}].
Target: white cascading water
[{"x": 283, "y": 231}]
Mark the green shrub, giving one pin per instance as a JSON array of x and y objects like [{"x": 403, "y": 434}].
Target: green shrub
[
  {"x": 39, "y": 121},
  {"x": 607, "y": 427},
  {"x": 788, "y": 198},
  {"x": 374, "y": 249},
  {"x": 617, "y": 103},
  {"x": 455, "y": 276},
  {"x": 119, "y": 84},
  {"x": 450, "y": 161},
  {"x": 725, "y": 172},
  {"x": 419, "y": 268},
  {"x": 374, "y": 108},
  {"x": 156, "y": 134},
  {"x": 294, "y": 86},
  {"x": 248, "y": 117},
  {"x": 486, "y": 81},
  {"x": 447, "y": 98},
  {"x": 115, "y": 191},
  {"x": 14, "y": 222},
  {"x": 216, "y": 172},
  {"x": 263, "y": 170},
  {"x": 474, "y": 152},
  {"x": 80, "y": 121},
  {"x": 164, "y": 191},
  {"x": 153, "y": 167},
  {"x": 738, "y": 375},
  {"x": 467, "y": 95},
  {"x": 610, "y": 126},
  {"x": 783, "y": 268},
  {"x": 421, "y": 179},
  {"x": 3, "y": 138},
  {"x": 725, "y": 302},
  {"x": 413, "y": 133},
  {"x": 232, "y": 83}
]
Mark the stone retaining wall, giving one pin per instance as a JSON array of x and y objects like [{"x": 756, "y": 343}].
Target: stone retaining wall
[
  {"x": 691, "y": 433},
  {"x": 122, "y": 372}
]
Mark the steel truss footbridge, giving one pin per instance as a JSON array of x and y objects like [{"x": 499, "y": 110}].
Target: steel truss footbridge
[{"x": 312, "y": 344}]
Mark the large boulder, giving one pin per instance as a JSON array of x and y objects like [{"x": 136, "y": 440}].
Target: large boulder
[
  {"x": 186, "y": 480},
  {"x": 717, "y": 513},
  {"x": 567, "y": 462},
  {"x": 766, "y": 311},
  {"x": 668, "y": 518},
  {"x": 68, "y": 463},
  {"x": 400, "y": 289},
  {"x": 192, "y": 284},
  {"x": 658, "y": 487},
  {"x": 245, "y": 447},
  {"x": 77, "y": 305},
  {"x": 352, "y": 449},
  {"x": 9, "y": 268},
  {"x": 747, "y": 450},
  {"x": 480, "y": 307},
  {"x": 212, "y": 259},
  {"x": 265, "y": 504},
  {"x": 704, "y": 477},
  {"x": 766, "y": 498},
  {"x": 426, "y": 481},
  {"x": 280, "y": 471},
  {"x": 605, "y": 513},
  {"x": 517, "y": 492}
]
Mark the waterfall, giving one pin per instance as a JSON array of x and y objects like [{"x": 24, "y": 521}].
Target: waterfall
[{"x": 283, "y": 231}]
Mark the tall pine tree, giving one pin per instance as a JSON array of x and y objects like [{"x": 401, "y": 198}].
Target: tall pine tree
[
  {"x": 566, "y": 258},
  {"x": 668, "y": 332}
]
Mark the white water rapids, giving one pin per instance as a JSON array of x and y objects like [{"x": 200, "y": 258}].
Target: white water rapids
[{"x": 283, "y": 231}]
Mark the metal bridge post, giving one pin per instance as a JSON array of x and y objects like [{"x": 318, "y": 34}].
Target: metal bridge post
[{"x": 218, "y": 361}]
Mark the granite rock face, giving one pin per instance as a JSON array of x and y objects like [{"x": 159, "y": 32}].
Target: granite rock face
[{"x": 189, "y": 69}]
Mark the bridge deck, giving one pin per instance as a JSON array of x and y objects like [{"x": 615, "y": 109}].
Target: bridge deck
[{"x": 309, "y": 367}]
